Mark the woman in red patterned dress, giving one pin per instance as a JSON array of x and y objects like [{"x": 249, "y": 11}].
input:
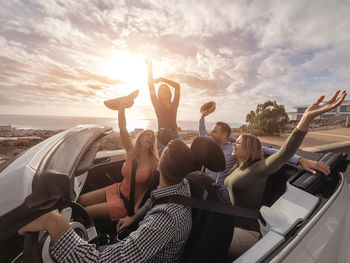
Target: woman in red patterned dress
[{"x": 107, "y": 202}]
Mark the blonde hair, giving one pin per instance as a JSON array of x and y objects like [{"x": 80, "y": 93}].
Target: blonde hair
[
  {"x": 152, "y": 150},
  {"x": 252, "y": 151}
]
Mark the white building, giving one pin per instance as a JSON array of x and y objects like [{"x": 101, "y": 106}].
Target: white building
[{"x": 342, "y": 112}]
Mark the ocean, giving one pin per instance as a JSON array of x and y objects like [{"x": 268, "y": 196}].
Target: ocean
[{"x": 64, "y": 122}]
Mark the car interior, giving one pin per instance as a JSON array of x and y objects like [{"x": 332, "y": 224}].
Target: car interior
[
  {"x": 313, "y": 191},
  {"x": 98, "y": 169}
]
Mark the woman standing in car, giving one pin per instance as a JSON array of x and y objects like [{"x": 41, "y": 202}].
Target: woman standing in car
[
  {"x": 114, "y": 201},
  {"x": 246, "y": 183},
  {"x": 165, "y": 109}
]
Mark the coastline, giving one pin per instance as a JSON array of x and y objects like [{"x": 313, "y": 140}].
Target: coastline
[{"x": 13, "y": 141}]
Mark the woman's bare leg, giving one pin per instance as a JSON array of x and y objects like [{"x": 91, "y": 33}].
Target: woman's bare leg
[
  {"x": 98, "y": 211},
  {"x": 93, "y": 197}
]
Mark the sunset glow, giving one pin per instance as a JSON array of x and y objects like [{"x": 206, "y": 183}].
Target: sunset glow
[
  {"x": 67, "y": 57},
  {"x": 131, "y": 70}
]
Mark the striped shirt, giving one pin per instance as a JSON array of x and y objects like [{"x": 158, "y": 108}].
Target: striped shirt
[{"x": 160, "y": 237}]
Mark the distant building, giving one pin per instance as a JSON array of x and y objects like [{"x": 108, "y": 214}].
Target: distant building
[{"x": 342, "y": 112}]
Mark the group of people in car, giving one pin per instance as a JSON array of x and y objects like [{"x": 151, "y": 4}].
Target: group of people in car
[{"x": 164, "y": 228}]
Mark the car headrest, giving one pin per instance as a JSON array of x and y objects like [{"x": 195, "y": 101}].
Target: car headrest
[
  {"x": 207, "y": 152},
  {"x": 164, "y": 136}
]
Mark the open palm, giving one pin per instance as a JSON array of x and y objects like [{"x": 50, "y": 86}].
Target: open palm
[{"x": 316, "y": 109}]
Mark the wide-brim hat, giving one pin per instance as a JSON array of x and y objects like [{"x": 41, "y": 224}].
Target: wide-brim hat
[
  {"x": 115, "y": 104},
  {"x": 209, "y": 107}
]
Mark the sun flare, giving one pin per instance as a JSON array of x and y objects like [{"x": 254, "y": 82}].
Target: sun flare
[{"x": 131, "y": 70}]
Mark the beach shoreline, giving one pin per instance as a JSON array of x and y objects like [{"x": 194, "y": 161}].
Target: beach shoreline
[{"x": 13, "y": 141}]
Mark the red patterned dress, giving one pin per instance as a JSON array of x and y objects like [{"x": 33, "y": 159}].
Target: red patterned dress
[{"x": 115, "y": 203}]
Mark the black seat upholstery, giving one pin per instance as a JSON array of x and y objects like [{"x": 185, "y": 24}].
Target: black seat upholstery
[
  {"x": 211, "y": 232},
  {"x": 208, "y": 153},
  {"x": 313, "y": 182}
]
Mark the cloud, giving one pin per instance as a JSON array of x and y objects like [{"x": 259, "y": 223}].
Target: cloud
[
  {"x": 193, "y": 82},
  {"x": 85, "y": 74},
  {"x": 238, "y": 53},
  {"x": 95, "y": 87},
  {"x": 10, "y": 66},
  {"x": 6, "y": 100}
]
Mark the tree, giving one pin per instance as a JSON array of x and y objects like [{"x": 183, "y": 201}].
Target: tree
[{"x": 269, "y": 118}]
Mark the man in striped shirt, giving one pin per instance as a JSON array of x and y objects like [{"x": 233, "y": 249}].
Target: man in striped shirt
[{"x": 161, "y": 235}]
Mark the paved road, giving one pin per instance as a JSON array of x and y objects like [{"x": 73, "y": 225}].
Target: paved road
[
  {"x": 334, "y": 140},
  {"x": 314, "y": 138}
]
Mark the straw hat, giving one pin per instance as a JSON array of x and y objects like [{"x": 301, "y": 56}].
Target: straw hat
[
  {"x": 128, "y": 101},
  {"x": 208, "y": 107}
]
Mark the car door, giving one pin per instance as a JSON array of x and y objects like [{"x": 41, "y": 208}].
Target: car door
[{"x": 42, "y": 178}]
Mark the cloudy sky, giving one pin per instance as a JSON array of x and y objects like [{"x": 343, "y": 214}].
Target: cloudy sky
[{"x": 66, "y": 57}]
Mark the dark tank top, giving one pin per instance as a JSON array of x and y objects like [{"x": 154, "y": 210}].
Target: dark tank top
[{"x": 166, "y": 116}]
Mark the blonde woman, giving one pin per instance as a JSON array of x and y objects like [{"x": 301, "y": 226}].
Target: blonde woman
[
  {"x": 246, "y": 183},
  {"x": 114, "y": 201}
]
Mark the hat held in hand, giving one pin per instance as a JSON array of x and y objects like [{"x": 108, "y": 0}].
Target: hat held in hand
[
  {"x": 208, "y": 107},
  {"x": 122, "y": 102}
]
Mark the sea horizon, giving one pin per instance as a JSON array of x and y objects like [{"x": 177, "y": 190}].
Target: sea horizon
[{"x": 48, "y": 122}]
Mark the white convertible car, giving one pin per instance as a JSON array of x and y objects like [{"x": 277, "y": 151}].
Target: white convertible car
[{"x": 305, "y": 217}]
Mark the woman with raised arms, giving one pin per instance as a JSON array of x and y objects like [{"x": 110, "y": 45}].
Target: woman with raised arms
[
  {"x": 246, "y": 183},
  {"x": 164, "y": 107},
  {"x": 117, "y": 201}
]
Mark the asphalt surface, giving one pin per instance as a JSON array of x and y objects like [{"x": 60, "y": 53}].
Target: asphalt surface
[{"x": 323, "y": 141}]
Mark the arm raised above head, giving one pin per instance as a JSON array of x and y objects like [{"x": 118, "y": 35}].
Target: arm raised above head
[
  {"x": 202, "y": 129},
  {"x": 152, "y": 91},
  {"x": 124, "y": 134},
  {"x": 175, "y": 85},
  {"x": 291, "y": 145},
  {"x": 316, "y": 109}
]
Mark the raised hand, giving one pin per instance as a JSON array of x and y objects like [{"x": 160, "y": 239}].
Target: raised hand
[
  {"x": 207, "y": 108},
  {"x": 205, "y": 113},
  {"x": 316, "y": 109}
]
